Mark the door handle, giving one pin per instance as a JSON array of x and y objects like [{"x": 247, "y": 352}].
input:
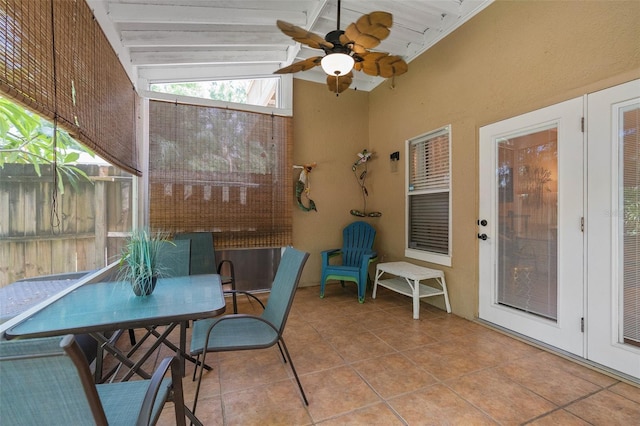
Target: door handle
[{"x": 483, "y": 237}]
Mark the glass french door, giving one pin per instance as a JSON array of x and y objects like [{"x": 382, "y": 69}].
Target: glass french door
[
  {"x": 531, "y": 225},
  {"x": 613, "y": 208}
]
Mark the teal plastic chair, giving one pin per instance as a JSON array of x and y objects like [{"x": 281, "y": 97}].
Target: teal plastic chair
[
  {"x": 47, "y": 381},
  {"x": 238, "y": 332},
  {"x": 356, "y": 254}
]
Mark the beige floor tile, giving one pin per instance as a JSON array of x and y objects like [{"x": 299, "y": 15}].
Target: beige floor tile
[
  {"x": 501, "y": 398},
  {"x": 627, "y": 390},
  {"x": 277, "y": 403},
  {"x": 559, "y": 417},
  {"x": 437, "y": 405},
  {"x": 576, "y": 369},
  {"x": 313, "y": 355},
  {"x": 556, "y": 385},
  {"x": 376, "y": 415},
  {"x": 607, "y": 408},
  {"x": 398, "y": 338},
  {"x": 449, "y": 359},
  {"x": 359, "y": 346},
  {"x": 393, "y": 374},
  {"x": 336, "y": 392},
  {"x": 246, "y": 369}
]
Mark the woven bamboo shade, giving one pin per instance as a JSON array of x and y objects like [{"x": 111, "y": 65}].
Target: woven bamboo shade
[
  {"x": 83, "y": 85},
  {"x": 221, "y": 170}
]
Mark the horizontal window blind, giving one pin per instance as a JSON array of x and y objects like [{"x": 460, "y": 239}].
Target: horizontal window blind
[
  {"x": 630, "y": 156},
  {"x": 429, "y": 222},
  {"x": 83, "y": 86},
  {"x": 221, "y": 170},
  {"x": 428, "y": 192},
  {"x": 429, "y": 166}
]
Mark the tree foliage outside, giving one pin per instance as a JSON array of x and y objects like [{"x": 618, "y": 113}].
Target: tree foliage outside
[
  {"x": 228, "y": 91},
  {"x": 26, "y": 138}
]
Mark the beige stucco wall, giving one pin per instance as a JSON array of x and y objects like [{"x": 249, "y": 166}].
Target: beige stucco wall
[
  {"x": 329, "y": 131},
  {"x": 511, "y": 58}
]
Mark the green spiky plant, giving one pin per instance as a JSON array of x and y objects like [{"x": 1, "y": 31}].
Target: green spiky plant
[{"x": 139, "y": 260}]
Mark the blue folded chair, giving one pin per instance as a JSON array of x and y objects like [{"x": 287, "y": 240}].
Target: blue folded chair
[
  {"x": 47, "y": 381},
  {"x": 356, "y": 254}
]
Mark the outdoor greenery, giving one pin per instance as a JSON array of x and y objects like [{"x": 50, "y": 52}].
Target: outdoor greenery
[
  {"x": 26, "y": 138},
  {"x": 228, "y": 91}
]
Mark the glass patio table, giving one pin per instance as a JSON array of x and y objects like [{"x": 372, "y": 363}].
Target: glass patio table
[{"x": 98, "y": 308}]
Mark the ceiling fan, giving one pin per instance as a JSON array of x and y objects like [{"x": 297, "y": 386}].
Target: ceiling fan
[{"x": 348, "y": 50}]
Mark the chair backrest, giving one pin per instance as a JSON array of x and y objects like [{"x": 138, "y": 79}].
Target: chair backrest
[
  {"x": 47, "y": 381},
  {"x": 357, "y": 238},
  {"x": 203, "y": 255},
  {"x": 284, "y": 287},
  {"x": 174, "y": 258}
]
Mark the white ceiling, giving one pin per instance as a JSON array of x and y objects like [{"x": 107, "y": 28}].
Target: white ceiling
[{"x": 200, "y": 40}]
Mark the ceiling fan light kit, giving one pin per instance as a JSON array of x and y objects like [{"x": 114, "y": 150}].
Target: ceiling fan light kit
[
  {"x": 337, "y": 64},
  {"x": 347, "y": 50}
]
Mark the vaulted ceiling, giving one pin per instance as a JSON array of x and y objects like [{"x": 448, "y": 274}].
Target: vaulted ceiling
[{"x": 199, "y": 40}]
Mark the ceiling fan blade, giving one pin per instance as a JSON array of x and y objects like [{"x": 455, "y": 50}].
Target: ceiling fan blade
[
  {"x": 305, "y": 65},
  {"x": 392, "y": 65},
  {"x": 303, "y": 36},
  {"x": 369, "y": 64},
  {"x": 369, "y": 30},
  {"x": 382, "y": 64},
  {"x": 381, "y": 18},
  {"x": 339, "y": 84}
]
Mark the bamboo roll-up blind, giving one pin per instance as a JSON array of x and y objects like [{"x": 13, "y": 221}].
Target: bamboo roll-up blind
[
  {"x": 221, "y": 170},
  {"x": 83, "y": 85}
]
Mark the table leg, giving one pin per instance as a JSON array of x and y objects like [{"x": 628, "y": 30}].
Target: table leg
[{"x": 103, "y": 343}]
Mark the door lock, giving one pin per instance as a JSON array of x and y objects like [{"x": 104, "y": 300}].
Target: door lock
[{"x": 483, "y": 237}]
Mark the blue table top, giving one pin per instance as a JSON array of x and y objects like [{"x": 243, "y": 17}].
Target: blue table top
[{"x": 109, "y": 306}]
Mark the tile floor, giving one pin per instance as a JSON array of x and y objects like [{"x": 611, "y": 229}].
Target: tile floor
[{"x": 372, "y": 364}]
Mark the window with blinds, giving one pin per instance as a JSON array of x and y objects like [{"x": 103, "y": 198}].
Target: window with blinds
[
  {"x": 221, "y": 170},
  {"x": 429, "y": 197},
  {"x": 630, "y": 173}
]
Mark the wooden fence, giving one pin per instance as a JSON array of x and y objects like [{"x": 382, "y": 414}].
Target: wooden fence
[{"x": 81, "y": 231}]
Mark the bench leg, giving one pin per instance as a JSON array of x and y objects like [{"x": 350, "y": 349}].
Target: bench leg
[
  {"x": 443, "y": 284},
  {"x": 416, "y": 299},
  {"x": 375, "y": 283}
]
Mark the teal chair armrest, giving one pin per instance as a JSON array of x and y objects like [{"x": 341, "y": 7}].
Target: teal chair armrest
[
  {"x": 149, "y": 402},
  {"x": 327, "y": 254}
]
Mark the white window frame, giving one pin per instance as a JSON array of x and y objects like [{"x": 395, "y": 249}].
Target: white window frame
[{"x": 421, "y": 254}]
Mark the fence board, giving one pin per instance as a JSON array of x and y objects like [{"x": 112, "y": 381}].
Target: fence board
[{"x": 29, "y": 246}]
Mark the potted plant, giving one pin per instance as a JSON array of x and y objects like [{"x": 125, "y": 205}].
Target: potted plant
[{"x": 139, "y": 260}]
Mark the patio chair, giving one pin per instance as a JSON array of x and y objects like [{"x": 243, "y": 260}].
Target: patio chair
[
  {"x": 203, "y": 260},
  {"x": 48, "y": 381},
  {"x": 357, "y": 252},
  {"x": 175, "y": 258},
  {"x": 237, "y": 332}
]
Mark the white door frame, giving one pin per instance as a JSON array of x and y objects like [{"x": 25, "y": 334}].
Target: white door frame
[
  {"x": 604, "y": 278},
  {"x": 565, "y": 333}
]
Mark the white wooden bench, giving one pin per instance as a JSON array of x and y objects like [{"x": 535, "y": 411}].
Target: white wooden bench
[{"x": 407, "y": 282}]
